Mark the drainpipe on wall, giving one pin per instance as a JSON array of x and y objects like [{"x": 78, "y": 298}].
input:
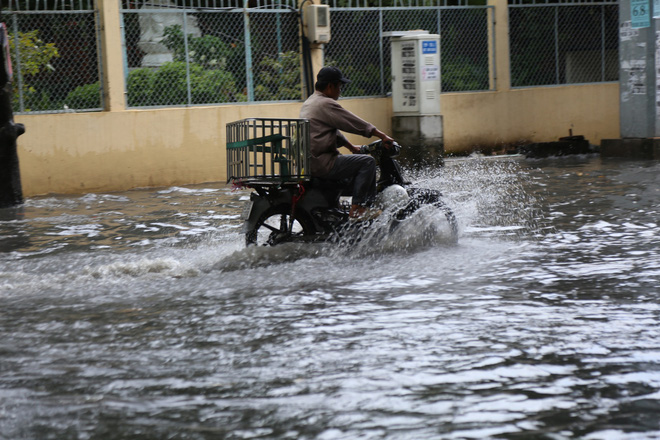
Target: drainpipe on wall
[{"x": 11, "y": 192}]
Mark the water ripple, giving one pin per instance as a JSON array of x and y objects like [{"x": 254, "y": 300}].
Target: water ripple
[{"x": 141, "y": 315}]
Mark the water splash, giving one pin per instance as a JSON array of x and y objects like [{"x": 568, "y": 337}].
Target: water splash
[
  {"x": 427, "y": 227},
  {"x": 262, "y": 256},
  {"x": 491, "y": 197}
]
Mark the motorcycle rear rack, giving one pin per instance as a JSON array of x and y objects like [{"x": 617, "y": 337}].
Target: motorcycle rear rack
[{"x": 267, "y": 152}]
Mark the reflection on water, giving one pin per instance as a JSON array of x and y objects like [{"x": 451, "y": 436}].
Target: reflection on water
[
  {"x": 141, "y": 315},
  {"x": 117, "y": 222}
]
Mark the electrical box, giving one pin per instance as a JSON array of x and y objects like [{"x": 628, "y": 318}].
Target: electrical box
[
  {"x": 415, "y": 73},
  {"x": 317, "y": 20}
]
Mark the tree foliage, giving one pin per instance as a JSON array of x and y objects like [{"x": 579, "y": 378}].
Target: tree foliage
[
  {"x": 168, "y": 85},
  {"x": 207, "y": 51},
  {"x": 35, "y": 59},
  {"x": 279, "y": 78}
]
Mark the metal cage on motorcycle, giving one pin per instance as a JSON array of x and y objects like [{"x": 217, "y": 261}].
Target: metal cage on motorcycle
[{"x": 268, "y": 151}]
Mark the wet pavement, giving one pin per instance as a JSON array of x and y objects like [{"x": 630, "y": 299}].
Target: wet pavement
[{"x": 140, "y": 315}]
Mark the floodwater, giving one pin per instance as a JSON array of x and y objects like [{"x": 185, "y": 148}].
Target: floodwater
[{"x": 139, "y": 315}]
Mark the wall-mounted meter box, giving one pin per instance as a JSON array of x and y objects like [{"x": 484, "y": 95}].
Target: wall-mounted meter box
[
  {"x": 415, "y": 73},
  {"x": 317, "y": 20}
]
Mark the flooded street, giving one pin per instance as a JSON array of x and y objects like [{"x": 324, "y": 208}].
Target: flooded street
[{"x": 140, "y": 315}]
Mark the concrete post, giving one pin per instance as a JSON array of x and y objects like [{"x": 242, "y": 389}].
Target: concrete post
[
  {"x": 639, "y": 79},
  {"x": 315, "y": 50},
  {"x": 500, "y": 72},
  {"x": 114, "y": 82},
  {"x": 317, "y": 58}
]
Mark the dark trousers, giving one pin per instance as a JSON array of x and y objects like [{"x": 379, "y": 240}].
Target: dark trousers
[{"x": 361, "y": 169}]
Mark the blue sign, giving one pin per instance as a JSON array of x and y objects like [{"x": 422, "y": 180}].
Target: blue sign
[
  {"x": 640, "y": 13},
  {"x": 429, "y": 46}
]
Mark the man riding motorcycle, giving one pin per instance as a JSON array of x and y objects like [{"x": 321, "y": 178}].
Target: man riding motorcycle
[{"x": 327, "y": 118}]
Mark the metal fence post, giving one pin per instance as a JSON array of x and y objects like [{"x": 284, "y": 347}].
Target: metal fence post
[
  {"x": 17, "y": 57},
  {"x": 439, "y": 32},
  {"x": 186, "y": 51},
  {"x": 382, "y": 61},
  {"x": 556, "y": 45},
  {"x": 248, "y": 54},
  {"x": 278, "y": 27},
  {"x": 602, "y": 42}
]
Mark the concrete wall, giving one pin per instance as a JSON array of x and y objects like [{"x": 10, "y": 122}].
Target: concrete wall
[
  {"x": 543, "y": 114},
  {"x": 111, "y": 151},
  {"x": 119, "y": 149}
]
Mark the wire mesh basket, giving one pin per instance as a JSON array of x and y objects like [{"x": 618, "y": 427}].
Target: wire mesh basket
[{"x": 268, "y": 151}]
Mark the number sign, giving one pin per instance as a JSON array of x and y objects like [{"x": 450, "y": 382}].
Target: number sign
[{"x": 640, "y": 13}]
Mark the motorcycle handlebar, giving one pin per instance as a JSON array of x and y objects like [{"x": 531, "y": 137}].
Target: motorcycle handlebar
[{"x": 378, "y": 148}]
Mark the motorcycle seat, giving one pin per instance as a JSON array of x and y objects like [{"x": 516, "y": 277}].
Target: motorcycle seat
[{"x": 321, "y": 183}]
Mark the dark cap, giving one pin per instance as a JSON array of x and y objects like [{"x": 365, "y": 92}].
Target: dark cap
[{"x": 331, "y": 74}]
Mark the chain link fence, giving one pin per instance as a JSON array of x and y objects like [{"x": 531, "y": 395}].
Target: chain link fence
[
  {"x": 55, "y": 56},
  {"x": 360, "y": 47},
  {"x": 552, "y": 44},
  {"x": 169, "y": 66},
  {"x": 190, "y": 56},
  {"x": 200, "y": 52}
]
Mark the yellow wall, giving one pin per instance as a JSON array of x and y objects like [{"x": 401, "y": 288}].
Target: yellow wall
[
  {"x": 541, "y": 114},
  {"x": 119, "y": 149},
  {"x": 109, "y": 151}
]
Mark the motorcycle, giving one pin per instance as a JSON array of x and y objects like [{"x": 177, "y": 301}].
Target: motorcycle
[{"x": 284, "y": 210}]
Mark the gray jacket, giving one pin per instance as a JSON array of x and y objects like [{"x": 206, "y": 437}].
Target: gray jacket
[{"x": 326, "y": 118}]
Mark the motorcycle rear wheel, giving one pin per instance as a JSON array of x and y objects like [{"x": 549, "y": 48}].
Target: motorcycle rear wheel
[{"x": 275, "y": 227}]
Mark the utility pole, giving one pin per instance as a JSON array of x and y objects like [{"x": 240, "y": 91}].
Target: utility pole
[
  {"x": 639, "y": 81},
  {"x": 11, "y": 192}
]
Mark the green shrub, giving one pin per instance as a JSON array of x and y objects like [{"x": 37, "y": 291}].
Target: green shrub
[
  {"x": 208, "y": 51},
  {"x": 461, "y": 75},
  {"x": 213, "y": 86},
  {"x": 279, "y": 78},
  {"x": 210, "y": 80},
  {"x": 140, "y": 87},
  {"x": 364, "y": 76},
  {"x": 167, "y": 85},
  {"x": 84, "y": 97}
]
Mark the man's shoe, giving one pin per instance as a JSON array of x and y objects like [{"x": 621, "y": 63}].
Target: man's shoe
[{"x": 360, "y": 213}]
